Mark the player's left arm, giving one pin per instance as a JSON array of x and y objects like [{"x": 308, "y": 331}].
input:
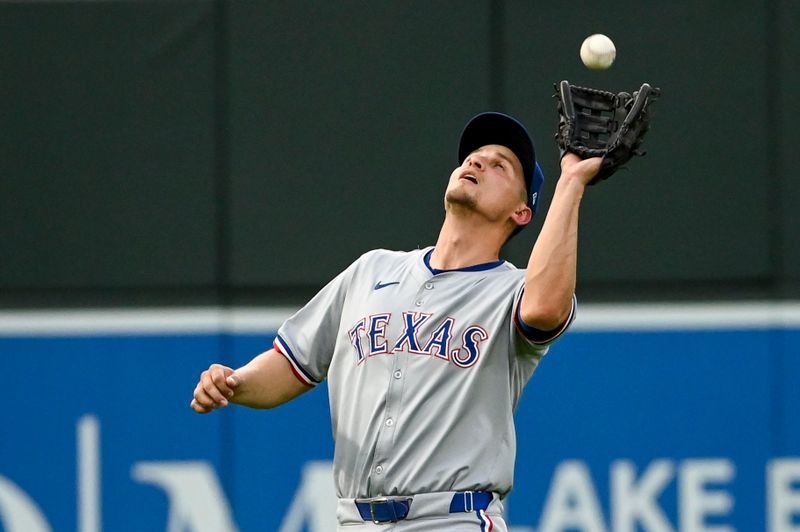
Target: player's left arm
[{"x": 550, "y": 277}]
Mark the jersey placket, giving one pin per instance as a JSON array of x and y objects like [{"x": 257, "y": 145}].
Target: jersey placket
[{"x": 393, "y": 406}]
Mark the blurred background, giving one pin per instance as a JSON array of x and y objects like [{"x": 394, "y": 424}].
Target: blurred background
[{"x": 176, "y": 177}]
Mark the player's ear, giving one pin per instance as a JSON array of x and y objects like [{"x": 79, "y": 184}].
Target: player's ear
[{"x": 522, "y": 216}]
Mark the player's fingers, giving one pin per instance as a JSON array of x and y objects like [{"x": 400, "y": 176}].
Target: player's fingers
[
  {"x": 203, "y": 399},
  {"x": 197, "y": 407},
  {"x": 218, "y": 376},
  {"x": 208, "y": 385}
]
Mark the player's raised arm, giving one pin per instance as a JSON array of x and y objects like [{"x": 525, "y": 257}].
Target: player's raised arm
[
  {"x": 266, "y": 381},
  {"x": 550, "y": 276},
  {"x": 598, "y": 132}
]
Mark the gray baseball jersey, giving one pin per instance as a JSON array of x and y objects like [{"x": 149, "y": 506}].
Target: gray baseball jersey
[{"x": 425, "y": 368}]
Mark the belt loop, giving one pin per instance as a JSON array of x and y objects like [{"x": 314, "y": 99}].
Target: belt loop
[{"x": 468, "y": 507}]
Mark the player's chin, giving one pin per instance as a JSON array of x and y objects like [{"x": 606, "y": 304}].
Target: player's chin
[{"x": 460, "y": 197}]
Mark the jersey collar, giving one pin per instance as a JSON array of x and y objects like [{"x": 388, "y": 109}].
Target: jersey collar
[{"x": 474, "y": 268}]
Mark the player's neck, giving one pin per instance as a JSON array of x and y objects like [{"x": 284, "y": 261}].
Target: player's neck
[{"x": 463, "y": 244}]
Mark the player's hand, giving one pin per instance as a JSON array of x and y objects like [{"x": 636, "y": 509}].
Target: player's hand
[
  {"x": 580, "y": 170},
  {"x": 216, "y": 388}
]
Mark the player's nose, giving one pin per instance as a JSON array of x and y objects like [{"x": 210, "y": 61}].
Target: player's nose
[{"x": 476, "y": 161}]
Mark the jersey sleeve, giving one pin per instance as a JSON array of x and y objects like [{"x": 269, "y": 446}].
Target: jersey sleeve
[
  {"x": 307, "y": 339},
  {"x": 534, "y": 337}
]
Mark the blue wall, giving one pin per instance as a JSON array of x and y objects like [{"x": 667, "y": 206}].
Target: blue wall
[{"x": 726, "y": 397}]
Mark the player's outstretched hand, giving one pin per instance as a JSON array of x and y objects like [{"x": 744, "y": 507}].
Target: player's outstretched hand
[
  {"x": 216, "y": 387},
  {"x": 582, "y": 170}
]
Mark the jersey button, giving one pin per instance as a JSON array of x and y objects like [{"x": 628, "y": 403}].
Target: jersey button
[
  {"x": 379, "y": 469},
  {"x": 398, "y": 374},
  {"x": 389, "y": 422},
  {"x": 429, "y": 286},
  {"x": 418, "y": 302}
]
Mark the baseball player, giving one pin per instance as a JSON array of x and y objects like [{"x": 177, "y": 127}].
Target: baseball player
[{"x": 427, "y": 352}]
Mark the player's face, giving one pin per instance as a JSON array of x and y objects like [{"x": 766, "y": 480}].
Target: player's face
[{"x": 489, "y": 181}]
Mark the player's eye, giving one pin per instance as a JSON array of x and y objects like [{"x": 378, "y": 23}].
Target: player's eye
[{"x": 500, "y": 165}]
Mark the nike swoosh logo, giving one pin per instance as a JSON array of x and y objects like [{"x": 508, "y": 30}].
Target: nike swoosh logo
[{"x": 378, "y": 285}]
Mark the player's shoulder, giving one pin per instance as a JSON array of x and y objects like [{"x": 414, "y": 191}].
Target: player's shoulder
[
  {"x": 384, "y": 257},
  {"x": 506, "y": 274},
  {"x": 391, "y": 255},
  {"x": 507, "y": 268}
]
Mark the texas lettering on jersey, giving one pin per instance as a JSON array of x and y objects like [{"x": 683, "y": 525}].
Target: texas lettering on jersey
[{"x": 368, "y": 337}]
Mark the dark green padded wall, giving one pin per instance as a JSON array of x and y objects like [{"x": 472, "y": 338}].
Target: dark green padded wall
[
  {"x": 106, "y": 144},
  {"x": 262, "y": 146},
  {"x": 696, "y": 207},
  {"x": 786, "y": 136},
  {"x": 344, "y": 124}
]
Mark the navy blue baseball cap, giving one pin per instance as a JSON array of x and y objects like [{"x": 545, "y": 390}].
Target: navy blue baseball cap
[{"x": 499, "y": 128}]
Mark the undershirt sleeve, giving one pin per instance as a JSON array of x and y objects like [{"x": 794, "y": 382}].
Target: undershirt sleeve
[{"x": 536, "y": 336}]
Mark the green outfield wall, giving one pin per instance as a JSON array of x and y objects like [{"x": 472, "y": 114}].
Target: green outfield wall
[{"x": 245, "y": 152}]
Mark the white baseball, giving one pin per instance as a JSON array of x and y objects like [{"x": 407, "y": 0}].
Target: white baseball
[{"x": 598, "y": 52}]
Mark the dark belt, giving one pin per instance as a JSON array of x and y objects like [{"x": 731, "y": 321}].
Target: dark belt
[{"x": 393, "y": 510}]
